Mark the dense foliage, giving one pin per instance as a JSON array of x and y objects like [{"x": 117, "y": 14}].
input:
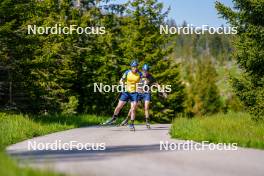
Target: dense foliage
[
  {"x": 248, "y": 17},
  {"x": 54, "y": 73},
  {"x": 47, "y": 73}
]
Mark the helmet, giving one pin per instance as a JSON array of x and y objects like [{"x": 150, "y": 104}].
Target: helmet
[
  {"x": 134, "y": 63},
  {"x": 145, "y": 67}
]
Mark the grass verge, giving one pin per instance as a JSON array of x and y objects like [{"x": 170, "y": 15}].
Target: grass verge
[
  {"x": 221, "y": 128},
  {"x": 15, "y": 128}
]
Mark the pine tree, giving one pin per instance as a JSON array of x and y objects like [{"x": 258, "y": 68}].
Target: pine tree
[
  {"x": 204, "y": 94},
  {"x": 249, "y": 51},
  {"x": 13, "y": 51}
]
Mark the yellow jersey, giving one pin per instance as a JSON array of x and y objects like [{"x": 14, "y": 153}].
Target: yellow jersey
[{"x": 131, "y": 80}]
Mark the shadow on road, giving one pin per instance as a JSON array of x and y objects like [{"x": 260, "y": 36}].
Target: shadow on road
[
  {"x": 41, "y": 156},
  {"x": 47, "y": 156},
  {"x": 143, "y": 129}
]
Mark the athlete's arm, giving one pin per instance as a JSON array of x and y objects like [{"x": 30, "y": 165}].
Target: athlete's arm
[
  {"x": 164, "y": 94},
  {"x": 122, "y": 81},
  {"x": 123, "y": 78},
  {"x": 154, "y": 82}
]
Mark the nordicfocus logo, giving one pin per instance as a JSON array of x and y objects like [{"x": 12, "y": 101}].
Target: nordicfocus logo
[
  {"x": 190, "y": 145},
  {"x": 72, "y": 29},
  {"x": 100, "y": 87},
  {"x": 59, "y": 145},
  {"x": 190, "y": 29}
]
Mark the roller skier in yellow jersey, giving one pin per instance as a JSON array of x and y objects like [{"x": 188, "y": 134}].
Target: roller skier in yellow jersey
[
  {"x": 145, "y": 96},
  {"x": 130, "y": 78}
]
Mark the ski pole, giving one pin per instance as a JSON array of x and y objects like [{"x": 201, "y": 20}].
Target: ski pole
[{"x": 116, "y": 99}]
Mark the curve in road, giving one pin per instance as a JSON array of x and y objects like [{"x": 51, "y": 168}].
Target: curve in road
[{"x": 135, "y": 153}]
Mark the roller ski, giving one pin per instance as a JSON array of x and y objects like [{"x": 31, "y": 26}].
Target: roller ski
[
  {"x": 110, "y": 121},
  {"x": 131, "y": 127},
  {"x": 148, "y": 126},
  {"x": 147, "y": 123},
  {"x": 124, "y": 123}
]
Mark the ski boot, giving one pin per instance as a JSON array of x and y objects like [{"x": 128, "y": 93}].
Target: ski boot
[{"x": 131, "y": 127}]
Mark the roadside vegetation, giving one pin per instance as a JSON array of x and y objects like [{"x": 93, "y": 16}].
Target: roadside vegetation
[
  {"x": 221, "y": 128},
  {"x": 16, "y": 128}
]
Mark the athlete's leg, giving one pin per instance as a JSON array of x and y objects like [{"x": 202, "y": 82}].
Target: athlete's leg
[
  {"x": 133, "y": 97},
  {"x": 133, "y": 110},
  {"x": 146, "y": 109},
  {"x": 119, "y": 106},
  {"x": 129, "y": 113},
  {"x": 122, "y": 101},
  {"x": 116, "y": 112},
  {"x": 134, "y": 100},
  {"x": 125, "y": 122},
  {"x": 147, "y": 98},
  {"x": 133, "y": 115}
]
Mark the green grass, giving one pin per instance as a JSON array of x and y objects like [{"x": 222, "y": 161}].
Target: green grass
[
  {"x": 221, "y": 128},
  {"x": 8, "y": 167},
  {"x": 15, "y": 128}
]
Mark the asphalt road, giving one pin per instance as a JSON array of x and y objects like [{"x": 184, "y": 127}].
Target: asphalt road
[{"x": 134, "y": 153}]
